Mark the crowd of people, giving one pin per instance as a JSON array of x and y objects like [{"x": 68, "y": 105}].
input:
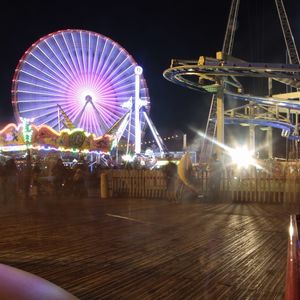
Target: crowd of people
[{"x": 33, "y": 178}]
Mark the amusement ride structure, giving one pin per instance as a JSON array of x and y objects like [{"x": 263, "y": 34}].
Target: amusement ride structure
[
  {"x": 219, "y": 76},
  {"x": 81, "y": 79}
]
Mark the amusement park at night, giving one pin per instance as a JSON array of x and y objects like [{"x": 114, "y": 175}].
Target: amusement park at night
[{"x": 150, "y": 153}]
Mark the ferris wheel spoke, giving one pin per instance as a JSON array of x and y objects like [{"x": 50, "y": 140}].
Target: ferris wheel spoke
[
  {"x": 31, "y": 77},
  {"x": 67, "y": 66},
  {"x": 116, "y": 115},
  {"x": 98, "y": 128},
  {"x": 107, "y": 102},
  {"x": 71, "y": 54},
  {"x": 47, "y": 67},
  {"x": 111, "y": 90},
  {"x": 56, "y": 66},
  {"x": 80, "y": 122},
  {"x": 101, "y": 62},
  {"x": 100, "y": 118},
  {"x": 42, "y": 87},
  {"x": 105, "y": 93},
  {"x": 89, "y": 55},
  {"x": 40, "y": 93},
  {"x": 123, "y": 82},
  {"x": 117, "y": 70},
  {"x": 117, "y": 78},
  {"x": 112, "y": 64},
  {"x": 105, "y": 116},
  {"x": 121, "y": 91},
  {"x": 90, "y": 122},
  {"x": 117, "y": 73},
  {"x": 39, "y": 98},
  {"x": 25, "y": 74},
  {"x": 87, "y": 122},
  {"x": 83, "y": 122},
  {"x": 94, "y": 57},
  {"x": 103, "y": 113},
  {"x": 105, "y": 62},
  {"x": 83, "y": 58},
  {"x": 63, "y": 47},
  {"x": 39, "y": 70},
  {"x": 94, "y": 126},
  {"x": 125, "y": 89},
  {"x": 53, "y": 121},
  {"x": 72, "y": 115},
  {"x": 38, "y": 108},
  {"x": 77, "y": 53}
]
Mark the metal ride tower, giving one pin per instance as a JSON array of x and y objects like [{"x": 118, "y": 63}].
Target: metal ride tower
[
  {"x": 217, "y": 104},
  {"x": 218, "y": 76},
  {"x": 138, "y": 109}
]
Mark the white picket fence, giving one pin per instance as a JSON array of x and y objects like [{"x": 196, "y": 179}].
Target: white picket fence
[
  {"x": 139, "y": 184},
  {"x": 263, "y": 187}
]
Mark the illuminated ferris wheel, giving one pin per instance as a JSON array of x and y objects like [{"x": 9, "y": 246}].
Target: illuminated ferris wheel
[{"x": 87, "y": 76}]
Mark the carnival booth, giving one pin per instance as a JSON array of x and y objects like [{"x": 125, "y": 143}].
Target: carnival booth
[
  {"x": 46, "y": 143},
  {"x": 26, "y": 136}
]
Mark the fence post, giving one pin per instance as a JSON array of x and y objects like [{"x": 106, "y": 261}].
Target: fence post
[{"x": 103, "y": 186}]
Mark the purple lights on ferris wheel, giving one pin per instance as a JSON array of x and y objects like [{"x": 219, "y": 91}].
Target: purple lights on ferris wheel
[{"x": 87, "y": 74}]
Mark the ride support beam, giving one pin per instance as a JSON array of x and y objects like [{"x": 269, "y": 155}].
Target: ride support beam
[
  {"x": 296, "y": 133},
  {"x": 270, "y": 142},
  {"x": 252, "y": 138},
  {"x": 220, "y": 118}
]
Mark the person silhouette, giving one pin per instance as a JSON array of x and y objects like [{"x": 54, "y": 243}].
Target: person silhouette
[{"x": 215, "y": 171}]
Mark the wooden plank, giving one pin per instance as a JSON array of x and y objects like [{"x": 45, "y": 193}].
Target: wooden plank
[{"x": 150, "y": 249}]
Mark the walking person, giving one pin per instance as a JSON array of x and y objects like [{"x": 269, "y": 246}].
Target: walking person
[
  {"x": 58, "y": 173},
  {"x": 26, "y": 175},
  {"x": 11, "y": 173},
  {"x": 35, "y": 183},
  {"x": 78, "y": 184},
  {"x": 2, "y": 181},
  {"x": 215, "y": 172}
]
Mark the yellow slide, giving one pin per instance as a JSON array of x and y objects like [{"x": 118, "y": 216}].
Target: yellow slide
[{"x": 184, "y": 171}]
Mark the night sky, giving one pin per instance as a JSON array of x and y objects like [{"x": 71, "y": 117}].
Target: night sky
[{"x": 153, "y": 32}]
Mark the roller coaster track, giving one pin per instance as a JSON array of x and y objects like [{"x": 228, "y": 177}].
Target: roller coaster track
[{"x": 206, "y": 75}]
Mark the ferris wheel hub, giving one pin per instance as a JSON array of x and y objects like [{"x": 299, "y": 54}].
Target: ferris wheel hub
[{"x": 88, "y": 98}]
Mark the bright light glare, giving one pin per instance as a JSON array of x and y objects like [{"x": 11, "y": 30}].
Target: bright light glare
[
  {"x": 128, "y": 158},
  {"x": 242, "y": 157},
  {"x": 291, "y": 230},
  {"x": 127, "y": 104},
  {"x": 144, "y": 102}
]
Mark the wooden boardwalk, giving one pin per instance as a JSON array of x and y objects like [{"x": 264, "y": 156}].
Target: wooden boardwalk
[{"x": 150, "y": 249}]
